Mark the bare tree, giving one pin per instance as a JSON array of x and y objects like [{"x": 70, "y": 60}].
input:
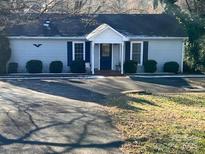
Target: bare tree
[
  {"x": 68, "y": 6},
  {"x": 196, "y": 7},
  {"x": 9, "y": 8},
  {"x": 100, "y": 6},
  {"x": 131, "y": 6},
  {"x": 13, "y": 11}
]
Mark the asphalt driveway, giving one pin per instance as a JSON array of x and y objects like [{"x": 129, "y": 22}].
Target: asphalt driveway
[
  {"x": 170, "y": 84},
  {"x": 67, "y": 115},
  {"x": 50, "y": 117}
]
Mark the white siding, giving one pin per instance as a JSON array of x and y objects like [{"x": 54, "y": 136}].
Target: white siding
[
  {"x": 163, "y": 51},
  {"x": 108, "y": 36},
  {"x": 50, "y": 50}
]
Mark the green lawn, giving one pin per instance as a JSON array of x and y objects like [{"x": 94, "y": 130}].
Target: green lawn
[{"x": 165, "y": 123}]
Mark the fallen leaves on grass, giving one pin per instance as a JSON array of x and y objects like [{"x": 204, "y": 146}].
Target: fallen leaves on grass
[{"x": 167, "y": 123}]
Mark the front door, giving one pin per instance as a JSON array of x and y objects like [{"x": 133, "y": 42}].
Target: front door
[{"x": 105, "y": 56}]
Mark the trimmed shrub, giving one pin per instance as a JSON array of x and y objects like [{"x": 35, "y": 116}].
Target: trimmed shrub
[
  {"x": 150, "y": 66},
  {"x": 56, "y": 67},
  {"x": 130, "y": 66},
  {"x": 12, "y": 67},
  {"x": 78, "y": 66},
  {"x": 34, "y": 66},
  {"x": 171, "y": 67}
]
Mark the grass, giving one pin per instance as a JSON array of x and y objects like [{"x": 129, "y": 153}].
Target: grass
[{"x": 165, "y": 123}]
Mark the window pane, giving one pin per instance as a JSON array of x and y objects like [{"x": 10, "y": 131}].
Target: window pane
[
  {"x": 105, "y": 50},
  {"x": 136, "y": 52},
  {"x": 78, "y": 51}
]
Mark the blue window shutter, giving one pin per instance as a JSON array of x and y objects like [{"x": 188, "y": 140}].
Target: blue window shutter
[
  {"x": 69, "y": 52},
  {"x": 145, "y": 51},
  {"x": 127, "y": 50},
  {"x": 87, "y": 51}
]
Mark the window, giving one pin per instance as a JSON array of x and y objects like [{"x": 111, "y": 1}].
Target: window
[
  {"x": 105, "y": 50},
  {"x": 136, "y": 52},
  {"x": 79, "y": 51}
]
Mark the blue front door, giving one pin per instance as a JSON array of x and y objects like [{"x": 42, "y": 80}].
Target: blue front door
[{"x": 105, "y": 56}]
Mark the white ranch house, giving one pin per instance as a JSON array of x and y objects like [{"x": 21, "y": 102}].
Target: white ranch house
[{"x": 105, "y": 43}]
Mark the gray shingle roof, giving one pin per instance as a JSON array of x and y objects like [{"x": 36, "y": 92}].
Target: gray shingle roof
[{"x": 80, "y": 25}]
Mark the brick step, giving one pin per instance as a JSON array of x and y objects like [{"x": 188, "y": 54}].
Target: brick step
[{"x": 108, "y": 73}]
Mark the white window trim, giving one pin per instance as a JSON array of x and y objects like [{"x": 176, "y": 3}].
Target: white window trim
[
  {"x": 141, "y": 53},
  {"x": 73, "y": 50}
]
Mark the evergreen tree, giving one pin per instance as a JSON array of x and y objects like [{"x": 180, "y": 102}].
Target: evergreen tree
[
  {"x": 193, "y": 20},
  {"x": 5, "y": 53}
]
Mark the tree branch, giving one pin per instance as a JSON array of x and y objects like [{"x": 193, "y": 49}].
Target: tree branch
[{"x": 188, "y": 6}]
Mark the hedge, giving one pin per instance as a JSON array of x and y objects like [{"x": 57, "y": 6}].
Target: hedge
[
  {"x": 130, "y": 66},
  {"x": 56, "y": 67},
  {"x": 171, "y": 67},
  {"x": 12, "y": 67},
  {"x": 34, "y": 66},
  {"x": 150, "y": 66},
  {"x": 78, "y": 66}
]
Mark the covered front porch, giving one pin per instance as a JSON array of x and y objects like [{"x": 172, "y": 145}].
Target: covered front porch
[
  {"x": 107, "y": 49},
  {"x": 107, "y": 57}
]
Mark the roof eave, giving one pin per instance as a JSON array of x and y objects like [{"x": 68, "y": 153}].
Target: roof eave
[
  {"x": 86, "y": 38},
  {"x": 158, "y": 37},
  {"x": 47, "y": 37}
]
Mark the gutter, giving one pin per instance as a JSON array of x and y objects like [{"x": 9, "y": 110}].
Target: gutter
[
  {"x": 157, "y": 38},
  {"x": 85, "y": 38},
  {"x": 48, "y": 38}
]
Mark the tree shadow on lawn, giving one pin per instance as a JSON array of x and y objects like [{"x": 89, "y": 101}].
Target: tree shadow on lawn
[
  {"x": 184, "y": 99},
  {"x": 125, "y": 102}
]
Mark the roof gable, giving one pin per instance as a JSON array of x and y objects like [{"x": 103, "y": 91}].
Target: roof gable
[{"x": 105, "y": 32}]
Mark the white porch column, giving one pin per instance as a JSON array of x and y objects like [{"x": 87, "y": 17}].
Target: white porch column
[
  {"x": 92, "y": 58},
  {"x": 122, "y": 58}
]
